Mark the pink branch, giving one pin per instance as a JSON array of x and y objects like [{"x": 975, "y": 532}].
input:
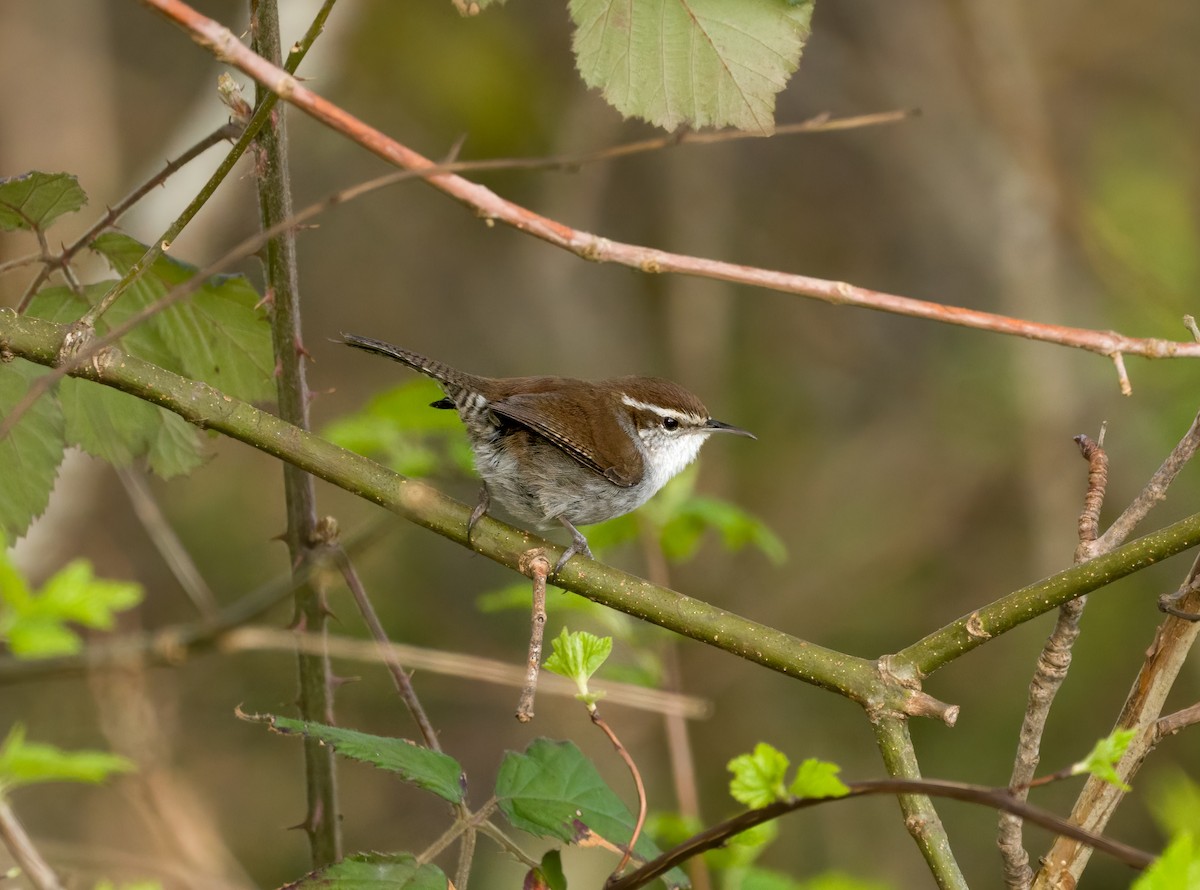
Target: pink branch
[{"x": 225, "y": 45}]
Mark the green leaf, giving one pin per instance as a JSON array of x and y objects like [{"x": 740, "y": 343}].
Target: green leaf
[
  {"x": 30, "y": 763},
  {"x": 741, "y": 850},
  {"x": 399, "y": 428},
  {"x": 30, "y": 453},
  {"x": 758, "y": 776},
  {"x": 1102, "y": 760},
  {"x": 364, "y": 871},
  {"x": 1175, "y": 802},
  {"x": 818, "y": 778},
  {"x": 702, "y": 63},
  {"x": 34, "y": 624},
  {"x": 548, "y": 874},
  {"x": 577, "y": 656},
  {"x": 552, "y": 790},
  {"x": 216, "y": 335},
  {"x": 680, "y": 535},
  {"x": 836, "y": 880},
  {"x": 431, "y": 770},
  {"x": 1178, "y": 868},
  {"x": 35, "y": 200},
  {"x": 110, "y": 424}
]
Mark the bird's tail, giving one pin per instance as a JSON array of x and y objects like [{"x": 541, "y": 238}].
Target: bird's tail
[{"x": 454, "y": 379}]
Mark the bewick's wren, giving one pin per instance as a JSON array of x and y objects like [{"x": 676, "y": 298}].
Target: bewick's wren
[{"x": 555, "y": 448}]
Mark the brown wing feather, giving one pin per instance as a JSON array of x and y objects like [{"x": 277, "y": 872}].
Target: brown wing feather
[{"x": 552, "y": 414}]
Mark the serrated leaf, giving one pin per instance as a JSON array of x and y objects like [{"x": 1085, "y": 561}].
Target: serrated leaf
[
  {"x": 216, "y": 335},
  {"x": 758, "y": 777},
  {"x": 1178, "y": 868},
  {"x": 110, "y": 424},
  {"x": 818, "y": 778},
  {"x": 32, "y": 451},
  {"x": 703, "y": 63},
  {"x": 35, "y": 200},
  {"x": 363, "y": 871},
  {"x": 29, "y": 763},
  {"x": 552, "y": 790},
  {"x": 577, "y": 656},
  {"x": 431, "y": 770},
  {"x": 1105, "y": 754}
]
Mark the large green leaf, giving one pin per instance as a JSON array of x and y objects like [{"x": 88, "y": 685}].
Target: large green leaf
[
  {"x": 110, "y": 424},
  {"x": 30, "y": 453},
  {"x": 216, "y": 335},
  {"x": 703, "y": 63},
  {"x": 423, "y": 767},
  {"x": 374, "y": 871},
  {"x": 552, "y": 790},
  {"x": 34, "y": 200}
]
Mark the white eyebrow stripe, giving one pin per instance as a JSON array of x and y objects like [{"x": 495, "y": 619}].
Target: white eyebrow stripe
[{"x": 681, "y": 416}]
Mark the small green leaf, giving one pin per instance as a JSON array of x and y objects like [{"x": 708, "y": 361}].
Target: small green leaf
[
  {"x": 1102, "y": 760},
  {"x": 1178, "y": 868},
  {"x": 702, "y": 63},
  {"x": 374, "y": 871},
  {"x": 35, "y": 200},
  {"x": 31, "y": 452},
  {"x": 431, "y": 770},
  {"x": 29, "y": 763},
  {"x": 34, "y": 624},
  {"x": 135, "y": 885},
  {"x": 737, "y": 528},
  {"x": 577, "y": 656},
  {"x": 552, "y": 790},
  {"x": 758, "y": 776},
  {"x": 818, "y": 778},
  {"x": 547, "y": 875}
]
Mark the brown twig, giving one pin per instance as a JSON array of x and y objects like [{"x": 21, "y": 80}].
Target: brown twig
[
  {"x": 488, "y": 206},
  {"x": 534, "y": 564},
  {"x": 1173, "y": 723},
  {"x": 23, "y": 851},
  {"x": 62, "y": 258},
  {"x": 1053, "y": 663},
  {"x": 637, "y": 781},
  {"x": 1098, "y": 800},
  {"x": 400, "y": 677},
  {"x": 997, "y": 798},
  {"x": 1154, "y": 492}
]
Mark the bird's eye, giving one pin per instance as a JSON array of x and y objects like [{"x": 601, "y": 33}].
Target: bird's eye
[{"x": 670, "y": 423}]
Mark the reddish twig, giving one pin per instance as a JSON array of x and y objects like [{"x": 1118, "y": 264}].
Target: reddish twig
[
  {"x": 225, "y": 45},
  {"x": 637, "y": 781}
]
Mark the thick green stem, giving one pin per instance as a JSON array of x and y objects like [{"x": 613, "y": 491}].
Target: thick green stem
[{"x": 920, "y": 818}]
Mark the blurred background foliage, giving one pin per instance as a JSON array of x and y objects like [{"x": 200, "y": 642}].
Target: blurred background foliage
[{"x": 911, "y": 470}]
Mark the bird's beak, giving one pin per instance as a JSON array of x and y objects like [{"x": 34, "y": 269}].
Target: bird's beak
[{"x": 716, "y": 426}]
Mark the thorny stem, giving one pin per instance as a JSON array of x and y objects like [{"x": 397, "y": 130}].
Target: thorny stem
[
  {"x": 305, "y": 536},
  {"x": 261, "y": 116}
]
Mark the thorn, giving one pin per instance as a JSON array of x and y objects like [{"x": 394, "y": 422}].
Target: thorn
[
  {"x": 300, "y": 350},
  {"x": 267, "y": 299}
]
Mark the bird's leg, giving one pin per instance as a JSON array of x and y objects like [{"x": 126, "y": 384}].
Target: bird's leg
[
  {"x": 485, "y": 501},
  {"x": 578, "y": 545}
]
